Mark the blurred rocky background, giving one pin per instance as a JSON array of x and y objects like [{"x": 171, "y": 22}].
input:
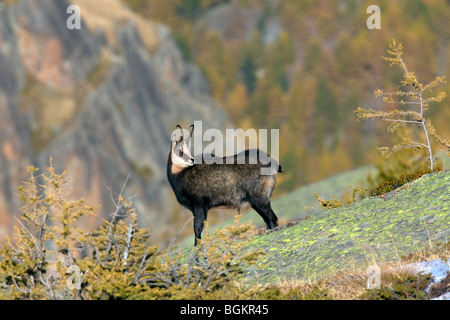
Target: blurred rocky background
[{"x": 102, "y": 101}]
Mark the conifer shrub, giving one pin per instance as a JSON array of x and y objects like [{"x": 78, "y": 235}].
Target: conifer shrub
[
  {"x": 398, "y": 170},
  {"x": 350, "y": 197},
  {"x": 391, "y": 184},
  {"x": 50, "y": 257}
]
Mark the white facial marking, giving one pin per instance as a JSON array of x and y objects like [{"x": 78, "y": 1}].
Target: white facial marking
[{"x": 181, "y": 157}]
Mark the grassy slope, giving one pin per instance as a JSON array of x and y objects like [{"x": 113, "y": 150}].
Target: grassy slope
[
  {"x": 292, "y": 205},
  {"x": 373, "y": 230}
]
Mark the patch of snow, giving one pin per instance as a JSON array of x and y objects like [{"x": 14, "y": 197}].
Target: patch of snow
[
  {"x": 438, "y": 268},
  {"x": 445, "y": 296}
]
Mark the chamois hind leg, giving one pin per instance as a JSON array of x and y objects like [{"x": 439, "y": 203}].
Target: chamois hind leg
[
  {"x": 200, "y": 215},
  {"x": 265, "y": 211}
]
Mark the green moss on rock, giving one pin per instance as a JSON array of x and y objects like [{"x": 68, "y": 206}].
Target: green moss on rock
[{"x": 374, "y": 230}]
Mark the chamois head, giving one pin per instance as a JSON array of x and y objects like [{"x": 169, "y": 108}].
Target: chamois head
[{"x": 181, "y": 151}]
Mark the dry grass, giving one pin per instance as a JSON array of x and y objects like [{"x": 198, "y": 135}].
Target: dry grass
[
  {"x": 353, "y": 285},
  {"x": 344, "y": 286},
  {"x": 433, "y": 252}
]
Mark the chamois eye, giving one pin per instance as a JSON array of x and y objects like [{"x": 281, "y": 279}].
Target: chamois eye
[{"x": 181, "y": 152}]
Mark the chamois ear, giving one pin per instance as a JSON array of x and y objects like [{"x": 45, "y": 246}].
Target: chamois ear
[
  {"x": 174, "y": 138},
  {"x": 188, "y": 139},
  {"x": 181, "y": 130}
]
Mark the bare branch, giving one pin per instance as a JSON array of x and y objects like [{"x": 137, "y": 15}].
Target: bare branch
[
  {"x": 118, "y": 213},
  {"x": 130, "y": 234},
  {"x": 36, "y": 244},
  {"x": 18, "y": 287},
  {"x": 178, "y": 234},
  {"x": 401, "y": 120}
]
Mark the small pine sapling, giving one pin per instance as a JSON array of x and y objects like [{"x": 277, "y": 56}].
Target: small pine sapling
[
  {"x": 409, "y": 92},
  {"x": 34, "y": 264}
]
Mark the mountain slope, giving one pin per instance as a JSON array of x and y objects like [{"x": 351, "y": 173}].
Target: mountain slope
[{"x": 367, "y": 232}]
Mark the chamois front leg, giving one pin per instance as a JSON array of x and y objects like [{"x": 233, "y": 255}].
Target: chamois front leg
[{"x": 199, "y": 219}]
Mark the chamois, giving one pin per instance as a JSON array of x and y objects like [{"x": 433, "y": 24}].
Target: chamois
[{"x": 200, "y": 186}]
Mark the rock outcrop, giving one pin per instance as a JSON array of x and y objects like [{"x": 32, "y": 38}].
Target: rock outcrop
[{"x": 102, "y": 101}]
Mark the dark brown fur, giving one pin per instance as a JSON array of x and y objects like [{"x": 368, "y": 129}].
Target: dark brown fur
[{"x": 203, "y": 186}]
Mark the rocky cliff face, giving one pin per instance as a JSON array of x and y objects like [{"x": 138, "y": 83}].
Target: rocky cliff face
[{"x": 102, "y": 101}]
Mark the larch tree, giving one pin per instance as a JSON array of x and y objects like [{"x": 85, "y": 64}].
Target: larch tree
[{"x": 411, "y": 93}]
